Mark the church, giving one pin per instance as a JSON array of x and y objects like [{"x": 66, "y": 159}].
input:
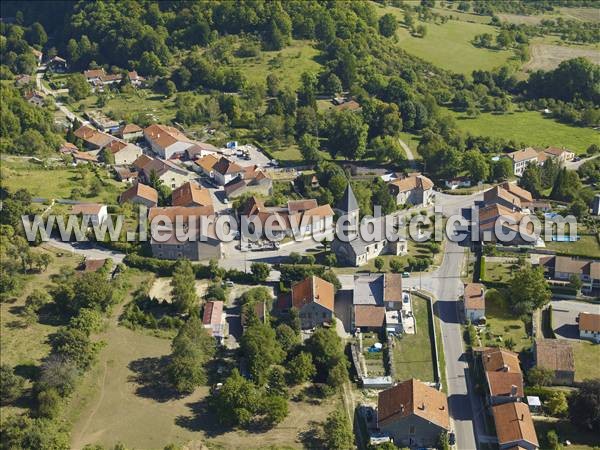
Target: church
[{"x": 356, "y": 251}]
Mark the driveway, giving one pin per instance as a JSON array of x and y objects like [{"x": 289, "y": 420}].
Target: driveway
[
  {"x": 564, "y": 316},
  {"x": 87, "y": 250}
]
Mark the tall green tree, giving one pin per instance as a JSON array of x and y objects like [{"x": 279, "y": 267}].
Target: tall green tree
[
  {"x": 183, "y": 288},
  {"x": 528, "y": 290},
  {"x": 347, "y": 134}
]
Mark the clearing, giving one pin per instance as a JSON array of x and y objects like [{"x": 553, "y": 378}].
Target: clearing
[
  {"x": 288, "y": 64},
  {"x": 549, "y": 56},
  {"x": 587, "y": 245},
  {"x": 448, "y": 45},
  {"x": 413, "y": 356},
  {"x": 528, "y": 127},
  {"x": 161, "y": 289}
]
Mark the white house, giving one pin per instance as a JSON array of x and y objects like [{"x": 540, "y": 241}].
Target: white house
[
  {"x": 589, "y": 326},
  {"x": 124, "y": 152},
  {"x": 226, "y": 170},
  {"x": 93, "y": 213},
  {"x": 167, "y": 141},
  {"x": 521, "y": 158},
  {"x": 416, "y": 190}
]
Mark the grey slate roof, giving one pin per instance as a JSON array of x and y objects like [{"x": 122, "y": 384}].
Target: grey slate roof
[{"x": 348, "y": 202}]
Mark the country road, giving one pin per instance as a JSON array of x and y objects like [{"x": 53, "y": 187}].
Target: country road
[{"x": 409, "y": 154}]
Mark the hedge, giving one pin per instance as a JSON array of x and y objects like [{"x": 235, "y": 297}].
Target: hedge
[{"x": 482, "y": 268}]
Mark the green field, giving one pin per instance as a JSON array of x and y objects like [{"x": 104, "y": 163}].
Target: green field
[
  {"x": 580, "y": 438},
  {"x": 449, "y": 46},
  {"x": 530, "y": 128},
  {"x": 288, "y": 64},
  {"x": 412, "y": 352},
  {"x": 55, "y": 183}
]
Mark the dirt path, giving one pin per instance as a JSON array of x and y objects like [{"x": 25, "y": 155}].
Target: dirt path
[{"x": 409, "y": 154}]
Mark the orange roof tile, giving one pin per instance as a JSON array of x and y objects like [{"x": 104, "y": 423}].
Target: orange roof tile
[
  {"x": 191, "y": 194},
  {"x": 514, "y": 423},
  {"x": 140, "y": 190},
  {"x": 413, "y": 397},
  {"x": 313, "y": 289},
  {"x": 589, "y": 322},
  {"x": 474, "y": 297}
]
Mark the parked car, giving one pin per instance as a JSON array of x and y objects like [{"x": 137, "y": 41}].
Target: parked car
[
  {"x": 405, "y": 274},
  {"x": 451, "y": 438}
]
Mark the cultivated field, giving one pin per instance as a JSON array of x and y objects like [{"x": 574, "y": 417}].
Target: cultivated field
[
  {"x": 161, "y": 289},
  {"x": 530, "y": 128},
  {"x": 549, "y": 56}
]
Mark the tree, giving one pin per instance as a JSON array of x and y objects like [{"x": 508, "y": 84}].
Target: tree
[
  {"x": 421, "y": 30},
  {"x": 566, "y": 186},
  {"x": 273, "y": 84},
  {"x": 556, "y": 404},
  {"x": 37, "y": 35},
  {"x": 553, "y": 441},
  {"x": 477, "y": 165},
  {"x": 379, "y": 263},
  {"x": 575, "y": 282},
  {"x": 78, "y": 86},
  {"x": 301, "y": 368},
  {"x": 183, "y": 289},
  {"x": 259, "y": 345},
  {"x": 276, "y": 409},
  {"x": 237, "y": 401},
  {"x": 584, "y": 406},
  {"x": 75, "y": 346},
  {"x": 287, "y": 337},
  {"x": 276, "y": 382},
  {"x": 502, "y": 169},
  {"x": 192, "y": 348},
  {"x": 309, "y": 147},
  {"x": 332, "y": 84},
  {"x": 338, "y": 431},
  {"x": 531, "y": 180},
  {"x": 37, "y": 299},
  {"x": 326, "y": 349},
  {"x": 11, "y": 385},
  {"x": 347, "y": 134},
  {"x": 48, "y": 403},
  {"x": 528, "y": 290},
  {"x": 387, "y": 148},
  {"x": 260, "y": 271},
  {"x": 25, "y": 433},
  {"x": 388, "y": 25},
  {"x": 538, "y": 376},
  {"x": 59, "y": 373},
  {"x": 593, "y": 149},
  {"x": 330, "y": 259}
]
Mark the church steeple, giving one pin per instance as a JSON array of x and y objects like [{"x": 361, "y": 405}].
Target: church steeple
[{"x": 348, "y": 208}]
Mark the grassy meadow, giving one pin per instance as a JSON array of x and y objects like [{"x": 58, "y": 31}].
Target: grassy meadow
[{"x": 528, "y": 127}]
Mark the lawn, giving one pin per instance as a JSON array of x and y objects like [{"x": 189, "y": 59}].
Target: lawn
[
  {"x": 288, "y": 64},
  {"x": 448, "y": 45},
  {"x": 55, "y": 182},
  {"x": 500, "y": 271},
  {"x": 413, "y": 356},
  {"x": 502, "y": 324},
  {"x": 530, "y": 128},
  {"x": 373, "y": 360},
  {"x": 580, "y": 439},
  {"x": 586, "y": 246},
  {"x": 587, "y": 356}
]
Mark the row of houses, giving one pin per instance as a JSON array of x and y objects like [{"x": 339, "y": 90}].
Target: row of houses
[
  {"x": 563, "y": 268},
  {"x": 99, "y": 79}
]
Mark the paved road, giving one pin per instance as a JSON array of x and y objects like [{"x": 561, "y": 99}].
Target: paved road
[
  {"x": 574, "y": 165},
  {"x": 88, "y": 250}
]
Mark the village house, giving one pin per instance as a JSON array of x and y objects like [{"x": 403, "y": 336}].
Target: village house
[
  {"x": 125, "y": 174},
  {"x": 508, "y": 225},
  {"x": 93, "y": 265},
  {"x": 140, "y": 194},
  {"x": 589, "y": 326},
  {"x": 92, "y": 213},
  {"x": 521, "y": 158},
  {"x": 102, "y": 122},
  {"x": 459, "y": 182},
  {"x": 356, "y": 251},
  {"x": 514, "y": 426},
  {"x": 191, "y": 194},
  {"x": 67, "y": 148},
  {"x": 415, "y": 190},
  {"x": 313, "y": 298},
  {"x": 345, "y": 104},
  {"x": 556, "y": 355},
  {"x": 413, "y": 414},
  {"x": 200, "y": 150},
  {"x": 562, "y": 268},
  {"x": 205, "y": 164},
  {"x": 34, "y": 98},
  {"x": 500, "y": 196},
  {"x": 130, "y": 132},
  {"x": 474, "y": 302},
  {"x": 561, "y": 155},
  {"x": 168, "y": 172},
  {"x": 504, "y": 379},
  {"x": 257, "y": 309},
  {"x": 304, "y": 218},
  {"x": 92, "y": 138},
  {"x": 254, "y": 180},
  {"x": 202, "y": 244},
  {"x": 225, "y": 170},
  {"x": 213, "y": 319},
  {"x": 166, "y": 141},
  {"x": 83, "y": 158},
  {"x": 123, "y": 152},
  {"x": 57, "y": 64}
]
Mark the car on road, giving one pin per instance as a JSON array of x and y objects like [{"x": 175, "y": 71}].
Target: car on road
[{"x": 405, "y": 274}]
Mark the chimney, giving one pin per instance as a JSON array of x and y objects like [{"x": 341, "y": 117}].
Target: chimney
[
  {"x": 504, "y": 368},
  {"x": 489, "y": 357},
  {"x": 522, "y": 417},
  {"x": 513, "y": 391},
  {"x": 401, "y": 408}
]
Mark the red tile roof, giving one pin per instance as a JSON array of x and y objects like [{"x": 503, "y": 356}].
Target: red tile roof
[{"x": 313, "y": 289}]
